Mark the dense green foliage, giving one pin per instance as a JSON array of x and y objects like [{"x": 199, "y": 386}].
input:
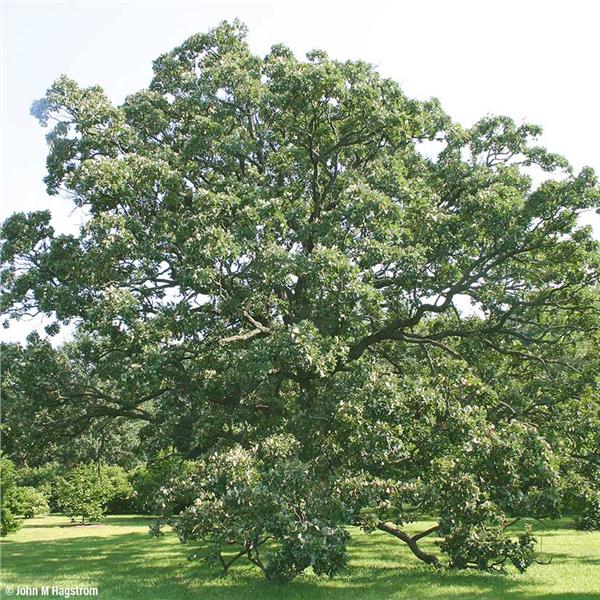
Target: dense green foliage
[
  {"x": 43, "y": 479},
  {"x": 8, "y": 491},
  {"x": 264, "y": 505},
  {"x": 30, "y": 502},
  {"x": 18, "y": 500},
  {"x": 583, "y": 500},
  {"x": 149, "y": 480},
  {"x": 86, "y": 491},
  {"x": 286, "y": 249}
]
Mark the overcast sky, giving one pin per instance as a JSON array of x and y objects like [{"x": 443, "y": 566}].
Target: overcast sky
[{"x": 535, "y": 61}]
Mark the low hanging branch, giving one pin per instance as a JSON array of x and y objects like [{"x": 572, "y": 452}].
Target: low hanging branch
[{"x": 411, "y": 542}]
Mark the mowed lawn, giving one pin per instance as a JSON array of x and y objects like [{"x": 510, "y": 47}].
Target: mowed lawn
[{"x": 124, "y": 562}]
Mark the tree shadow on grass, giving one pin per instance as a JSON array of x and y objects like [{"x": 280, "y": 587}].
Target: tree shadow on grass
[
  {"x": 30, "y": 525},
  {"x": 568, "y": 558},
  {"x": 128, "y": 520},
  {"x": 133, "y": 565},
  {"x": 41, "y": 522}
]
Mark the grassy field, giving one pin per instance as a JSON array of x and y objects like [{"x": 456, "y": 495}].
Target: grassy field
[{"x": 120, "y": 559}]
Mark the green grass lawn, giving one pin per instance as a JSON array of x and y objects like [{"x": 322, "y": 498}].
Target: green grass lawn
[{"x": 119, "y": 558}]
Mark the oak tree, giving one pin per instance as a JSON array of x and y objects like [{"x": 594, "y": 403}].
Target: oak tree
[{"x": 283, "y": 246}]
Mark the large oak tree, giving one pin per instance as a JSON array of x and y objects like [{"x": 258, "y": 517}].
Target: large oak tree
[{"x": 282, "y": 246}]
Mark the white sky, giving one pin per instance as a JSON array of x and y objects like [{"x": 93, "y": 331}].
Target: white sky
[{"x": 535, "y": 61}]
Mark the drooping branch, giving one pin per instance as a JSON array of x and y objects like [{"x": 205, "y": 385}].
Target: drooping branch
[{"x": 411, "y": 542}]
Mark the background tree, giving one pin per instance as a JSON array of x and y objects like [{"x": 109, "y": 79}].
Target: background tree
[
  {"x": 49, "y": 412},
  {"x": 162, "y": 472},
  {"x": 86, "y": 490}
]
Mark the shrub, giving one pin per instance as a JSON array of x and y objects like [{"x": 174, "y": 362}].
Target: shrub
[
  {"x": 30, "y": 502},
  {"x": 42, "y": 478},
  {"x": 8, "y": 520}
]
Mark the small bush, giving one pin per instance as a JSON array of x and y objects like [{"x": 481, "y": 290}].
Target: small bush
[
  {"x": 8, "y": 520},
  {"x": 30, "y": 502},
  {"x": 43, "y": 479}
]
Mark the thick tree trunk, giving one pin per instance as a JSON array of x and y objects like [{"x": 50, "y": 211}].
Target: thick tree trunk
[{"x": 411, "y": 542}]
